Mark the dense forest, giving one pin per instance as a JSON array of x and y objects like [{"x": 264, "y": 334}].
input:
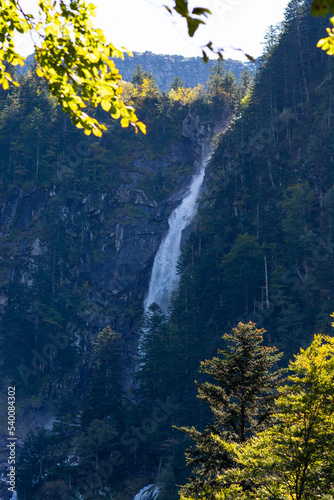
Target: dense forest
[
  {"x": 259, "y": 255},
  {"x": 74, "y": 210}
]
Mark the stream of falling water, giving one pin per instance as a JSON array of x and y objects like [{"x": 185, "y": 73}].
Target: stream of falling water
[
  {"x": 164, "y": 276},
  {"x": 149, "y": 492}
]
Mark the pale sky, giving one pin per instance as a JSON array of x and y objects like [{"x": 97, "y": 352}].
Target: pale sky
[{"x": 141, "y": 25}]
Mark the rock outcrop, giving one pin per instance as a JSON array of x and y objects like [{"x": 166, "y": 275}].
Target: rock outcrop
[
  {"x": 104, "y": 240},
  {"x": 164, "y": 68},
  {"x": 115, "y": 235}
]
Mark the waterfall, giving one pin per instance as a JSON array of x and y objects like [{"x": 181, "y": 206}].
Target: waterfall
[
  {"x": 164, "y": 276},
  {"x": 149, "y": 492}
]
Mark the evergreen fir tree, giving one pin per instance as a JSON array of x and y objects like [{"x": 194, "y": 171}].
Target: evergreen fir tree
[
  {"x": 18, "y": 333},
  {"x": 241, "y": 402},
  {"x": 150, "y": 422},
  {"x": 176, "y": 83},
  {"x": 154, "y": 350},
  {"x": 216, "y": 81},
  {"x": 105, "y": 395},
  {"x": 34, "y": 462},
  {"x": 139, "y": 75}
]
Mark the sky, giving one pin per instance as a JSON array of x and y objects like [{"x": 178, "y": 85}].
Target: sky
[{"x": 145, "y": 25}]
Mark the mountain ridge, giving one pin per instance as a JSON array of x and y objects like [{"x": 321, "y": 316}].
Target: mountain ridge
[{"x": 165, "y": 67}]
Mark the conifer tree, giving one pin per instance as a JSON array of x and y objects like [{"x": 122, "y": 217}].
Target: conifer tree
[
  {"x": 293, "y": 459},
  {"x": 105, "y": 395},
  {"x": 154, "y": 351},
  {"x": 18, "y": 333},
  {"x": 241, "y": 402},
  {"x": 245, "y": 83},
  {"x": 243, "y": 276},
  {"x": 216, "y": 80},
  {"x": 177, "y": 83},
  {"x": 139, "y": 75},
  {"x": 33, "y": 464},
  {"x": 230, "y": 88}
]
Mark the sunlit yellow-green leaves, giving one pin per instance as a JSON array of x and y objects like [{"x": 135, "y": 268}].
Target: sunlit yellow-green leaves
[
  {"x": 76, "y": 60},
  {"x": 73, "y": 57},
  {"x": 327, "y": 43},
  {"x": 322, "y": 8},
  {"x": 78, "y": 64},
  {"x": 294, "y": 458},
  {"x": 11, "y": 23}
]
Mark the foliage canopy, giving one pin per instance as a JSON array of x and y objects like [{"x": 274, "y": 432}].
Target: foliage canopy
[
  {"x": 75, "y": 58},
  {"x": 292, "y": 459},
  {"x": 241, "y": 402}
]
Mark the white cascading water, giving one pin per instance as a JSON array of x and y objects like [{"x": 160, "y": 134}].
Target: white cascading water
[
  {"x": 164, "y": 276},
  {"x": 149, "y": 492}
]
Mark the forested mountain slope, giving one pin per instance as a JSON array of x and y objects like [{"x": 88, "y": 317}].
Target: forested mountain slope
[
  {"x": 263, "y": 248},
  {"x": 81, "y": 219}
]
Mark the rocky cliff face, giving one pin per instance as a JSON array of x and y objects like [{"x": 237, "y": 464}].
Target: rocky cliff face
[
  {"x": 114, "y": 235},
  {"x": 100, "y": 245},
  {"x": 191, "y": 70},
  {"x": 75, "y": 259},
  {"x": 83, "y": 260}
]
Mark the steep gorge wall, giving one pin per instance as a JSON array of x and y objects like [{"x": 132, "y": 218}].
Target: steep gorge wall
[
  {"x": 76, "y": 256},
  {"x": 108, "y": 240},
  {"x": 99, "y": 245},
  {"x": 78, "y": 262}
]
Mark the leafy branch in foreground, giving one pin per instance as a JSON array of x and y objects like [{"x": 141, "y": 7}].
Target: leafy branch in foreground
[
  {"x": 322, "y": 8},
  {"x": 75, "y": 58},
  {"x": 77, "y": 63},
  {"x": 194, "y": 19}
]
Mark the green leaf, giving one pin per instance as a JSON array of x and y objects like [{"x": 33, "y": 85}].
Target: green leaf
[
  {"x": 181, "y": 7},
  {"x": 193, "y": 25},
  {"x": 199, "y": 11},
  {"x": 251, "y": 58}
]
